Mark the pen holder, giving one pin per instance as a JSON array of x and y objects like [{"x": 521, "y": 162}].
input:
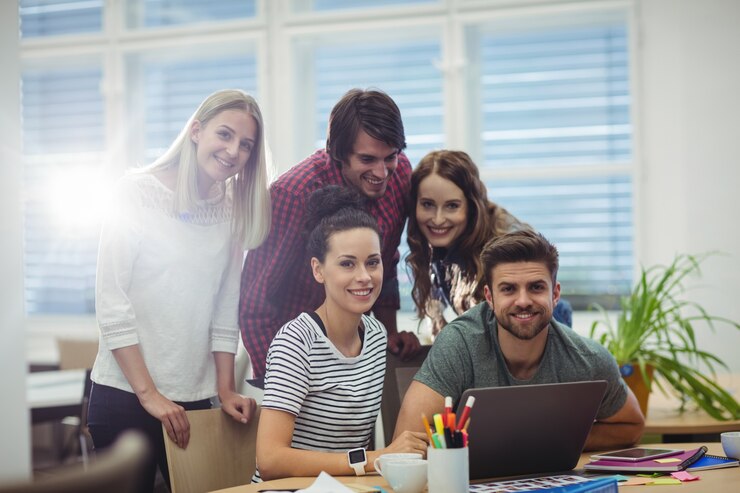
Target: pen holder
[{"x": 448, "y": 470}]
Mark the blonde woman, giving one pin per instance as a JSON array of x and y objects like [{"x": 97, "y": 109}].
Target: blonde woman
[{"x": 167, "y": 287}]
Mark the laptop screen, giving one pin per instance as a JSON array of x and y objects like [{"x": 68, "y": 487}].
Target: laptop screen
[{"x": 528, "y": 429}]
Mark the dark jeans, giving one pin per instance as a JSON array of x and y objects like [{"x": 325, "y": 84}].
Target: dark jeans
[{"x": 112, "y": 411}]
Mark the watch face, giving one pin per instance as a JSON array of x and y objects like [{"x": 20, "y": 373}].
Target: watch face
[{"x": 356, "y": 456}]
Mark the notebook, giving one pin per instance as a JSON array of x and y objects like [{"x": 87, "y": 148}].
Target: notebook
[
  {"x": 713, "y": 462},
  {"x": 663, "y": 464},
  {"x": 526, "y": 429}
]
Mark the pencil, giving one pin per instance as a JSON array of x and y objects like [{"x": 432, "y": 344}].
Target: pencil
[{"x": 428, "y": 429}]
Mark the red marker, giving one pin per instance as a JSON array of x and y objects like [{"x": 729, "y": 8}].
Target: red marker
[
  {"x": 448, "y": 408},
  {"x": 466, "y": 412}
]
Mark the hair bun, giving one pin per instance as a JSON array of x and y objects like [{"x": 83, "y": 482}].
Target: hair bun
[{"x": 328, "y": 200}]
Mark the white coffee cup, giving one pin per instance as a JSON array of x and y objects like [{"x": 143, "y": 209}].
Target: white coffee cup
[
  {"x": 406, "y": 475},
  {"x": 381, "y": 461},
  {"x": 731, "y": 443}
]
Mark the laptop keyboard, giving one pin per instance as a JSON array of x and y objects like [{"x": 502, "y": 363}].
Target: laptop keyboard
[{"x": 527, "y": 484}]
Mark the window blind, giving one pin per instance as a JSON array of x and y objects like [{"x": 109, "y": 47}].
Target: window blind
[
  {"x": 158, "y": 13},
  {"x": 56, "y": 17},
  {"x": 173, "y": 89},
  {"x": 405, "y": 70},
  {"x": 328, "y": 5},
  {"x": 554, "y": 112},
  {"x": 63, "y": 138}
]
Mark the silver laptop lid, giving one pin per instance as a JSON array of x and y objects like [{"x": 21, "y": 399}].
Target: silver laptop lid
[{"x": 528, "y": 429}]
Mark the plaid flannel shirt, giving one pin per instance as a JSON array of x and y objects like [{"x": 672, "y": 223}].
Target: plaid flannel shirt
[{"x": 277, "y": 284}]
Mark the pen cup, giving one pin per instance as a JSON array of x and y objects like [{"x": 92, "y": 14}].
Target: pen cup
[{"x": 448, "y": 470}]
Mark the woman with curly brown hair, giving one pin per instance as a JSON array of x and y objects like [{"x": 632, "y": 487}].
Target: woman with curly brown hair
[{"x": 450, "y": 220}]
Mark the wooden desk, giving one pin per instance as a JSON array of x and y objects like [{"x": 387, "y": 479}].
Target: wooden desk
[
  {"x": 715, "y": 481},
  {"x": 664, "y": 418},
  {"x": 54, "y": 394}
]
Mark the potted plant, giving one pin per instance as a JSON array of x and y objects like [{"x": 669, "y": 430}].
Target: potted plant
[{"x": 655, "y": 335}]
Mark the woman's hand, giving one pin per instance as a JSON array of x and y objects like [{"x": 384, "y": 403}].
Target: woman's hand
[
  {"x": 237, "y": 406},
  {"x": 414, "y": 442},
  {"x": 171, "y": 415}
]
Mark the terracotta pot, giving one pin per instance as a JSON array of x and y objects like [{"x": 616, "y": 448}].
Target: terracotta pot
[{"x": 633, "y": 378}]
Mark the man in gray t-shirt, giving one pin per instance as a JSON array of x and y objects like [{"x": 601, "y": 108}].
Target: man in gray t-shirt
[{"x": 511, "y": 339}]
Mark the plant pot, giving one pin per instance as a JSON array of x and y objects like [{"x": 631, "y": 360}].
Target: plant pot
[{"x": 633, "y": 378}]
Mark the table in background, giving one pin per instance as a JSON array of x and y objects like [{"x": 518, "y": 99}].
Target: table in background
[
  {"x": 717, "y": 480},
  {"x": 664, "y": 417},
  {"x": 52, "y": 395}
]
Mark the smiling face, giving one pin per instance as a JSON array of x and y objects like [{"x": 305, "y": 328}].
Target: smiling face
[
  {"x": 441, "y": 211},
  {"x": 223, "y": 146},
  {"x": 352, "y": 271},
  {"x": 370, "y": 165},
  {"x": 522, "y": 296}
]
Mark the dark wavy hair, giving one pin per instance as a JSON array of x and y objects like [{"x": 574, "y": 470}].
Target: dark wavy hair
[
  {"x": 330, "y": 210},
  {"x": 371, "y": 110},
  {"x": 459, "y": 168}
]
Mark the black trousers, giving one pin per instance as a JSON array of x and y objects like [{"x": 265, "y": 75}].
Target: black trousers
[{"x": 113, "y": 411}]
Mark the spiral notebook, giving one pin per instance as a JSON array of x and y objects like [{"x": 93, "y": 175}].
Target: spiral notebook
[
  {"x": 664, "y": 464},
  {"x": 713, "y": 462}
]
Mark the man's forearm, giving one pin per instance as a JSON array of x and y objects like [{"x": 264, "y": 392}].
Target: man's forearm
[{"x": 604, "y": 436}]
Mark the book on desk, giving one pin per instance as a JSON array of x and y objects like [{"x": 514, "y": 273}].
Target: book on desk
[
  {"x": 665, "y": 464},
  {"x": 713, "y": 462}
]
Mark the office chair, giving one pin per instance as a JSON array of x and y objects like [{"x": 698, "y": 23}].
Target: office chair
[
  {"x": 398, "y": 376},
  {"x": 116, "y": 470},
  {"x": 221, "y": 453}
]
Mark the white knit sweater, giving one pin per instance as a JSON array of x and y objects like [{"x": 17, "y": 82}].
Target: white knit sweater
[{"x": 169, "y": 283}]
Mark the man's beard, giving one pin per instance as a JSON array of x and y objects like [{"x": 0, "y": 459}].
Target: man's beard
[{"x": 521, "y": 333}]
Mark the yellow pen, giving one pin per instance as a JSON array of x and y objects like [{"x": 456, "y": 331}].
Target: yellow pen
[{"x": 439, "y": 425}]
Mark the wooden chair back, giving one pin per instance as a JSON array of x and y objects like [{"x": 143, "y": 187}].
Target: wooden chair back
[
  {"x": 222, "y": 453},
  {"x": 398, "y": 376},
  {"x": 76, "y": 353}
]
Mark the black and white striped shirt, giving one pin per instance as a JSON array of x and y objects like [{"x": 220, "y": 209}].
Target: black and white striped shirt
[{"x": 335, "y": 399}]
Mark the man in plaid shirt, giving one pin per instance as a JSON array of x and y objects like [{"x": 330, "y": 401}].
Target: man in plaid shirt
[{"x": 363, "y": 150}]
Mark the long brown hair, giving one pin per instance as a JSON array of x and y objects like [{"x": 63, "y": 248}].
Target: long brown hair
[{"x": 482, "y": 224}]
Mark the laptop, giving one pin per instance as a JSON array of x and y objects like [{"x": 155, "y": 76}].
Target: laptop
[{"x": 529, "y": 429}]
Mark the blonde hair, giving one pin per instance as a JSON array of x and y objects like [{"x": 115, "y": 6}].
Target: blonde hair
[{"x": 250, "y": 221}]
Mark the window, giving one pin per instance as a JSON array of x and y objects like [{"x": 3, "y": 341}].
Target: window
[
  {"x": 537, "y": 92},
  {"x": 40, "y": 18},
  {"x": 159, "y": 13},
  {"x": 86, "y": 118},
  {"x": 553, "y": 104},
  {"x": 404, "y": 68},
  {"x": 168, "y": 89},
  {"x": 63, "y": 141},
  {"x": 340, "y": 5}
]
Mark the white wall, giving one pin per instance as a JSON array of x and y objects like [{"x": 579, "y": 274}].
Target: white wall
[
  {"x": 689, "y": 121},
  {"x": 15, "y": 455}
]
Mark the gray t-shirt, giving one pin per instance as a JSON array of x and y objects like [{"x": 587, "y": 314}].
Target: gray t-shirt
[{"x": 466, "y": 354}]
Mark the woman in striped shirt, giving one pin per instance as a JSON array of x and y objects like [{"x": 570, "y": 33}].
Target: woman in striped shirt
[{"x": 325, "y": 369}]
